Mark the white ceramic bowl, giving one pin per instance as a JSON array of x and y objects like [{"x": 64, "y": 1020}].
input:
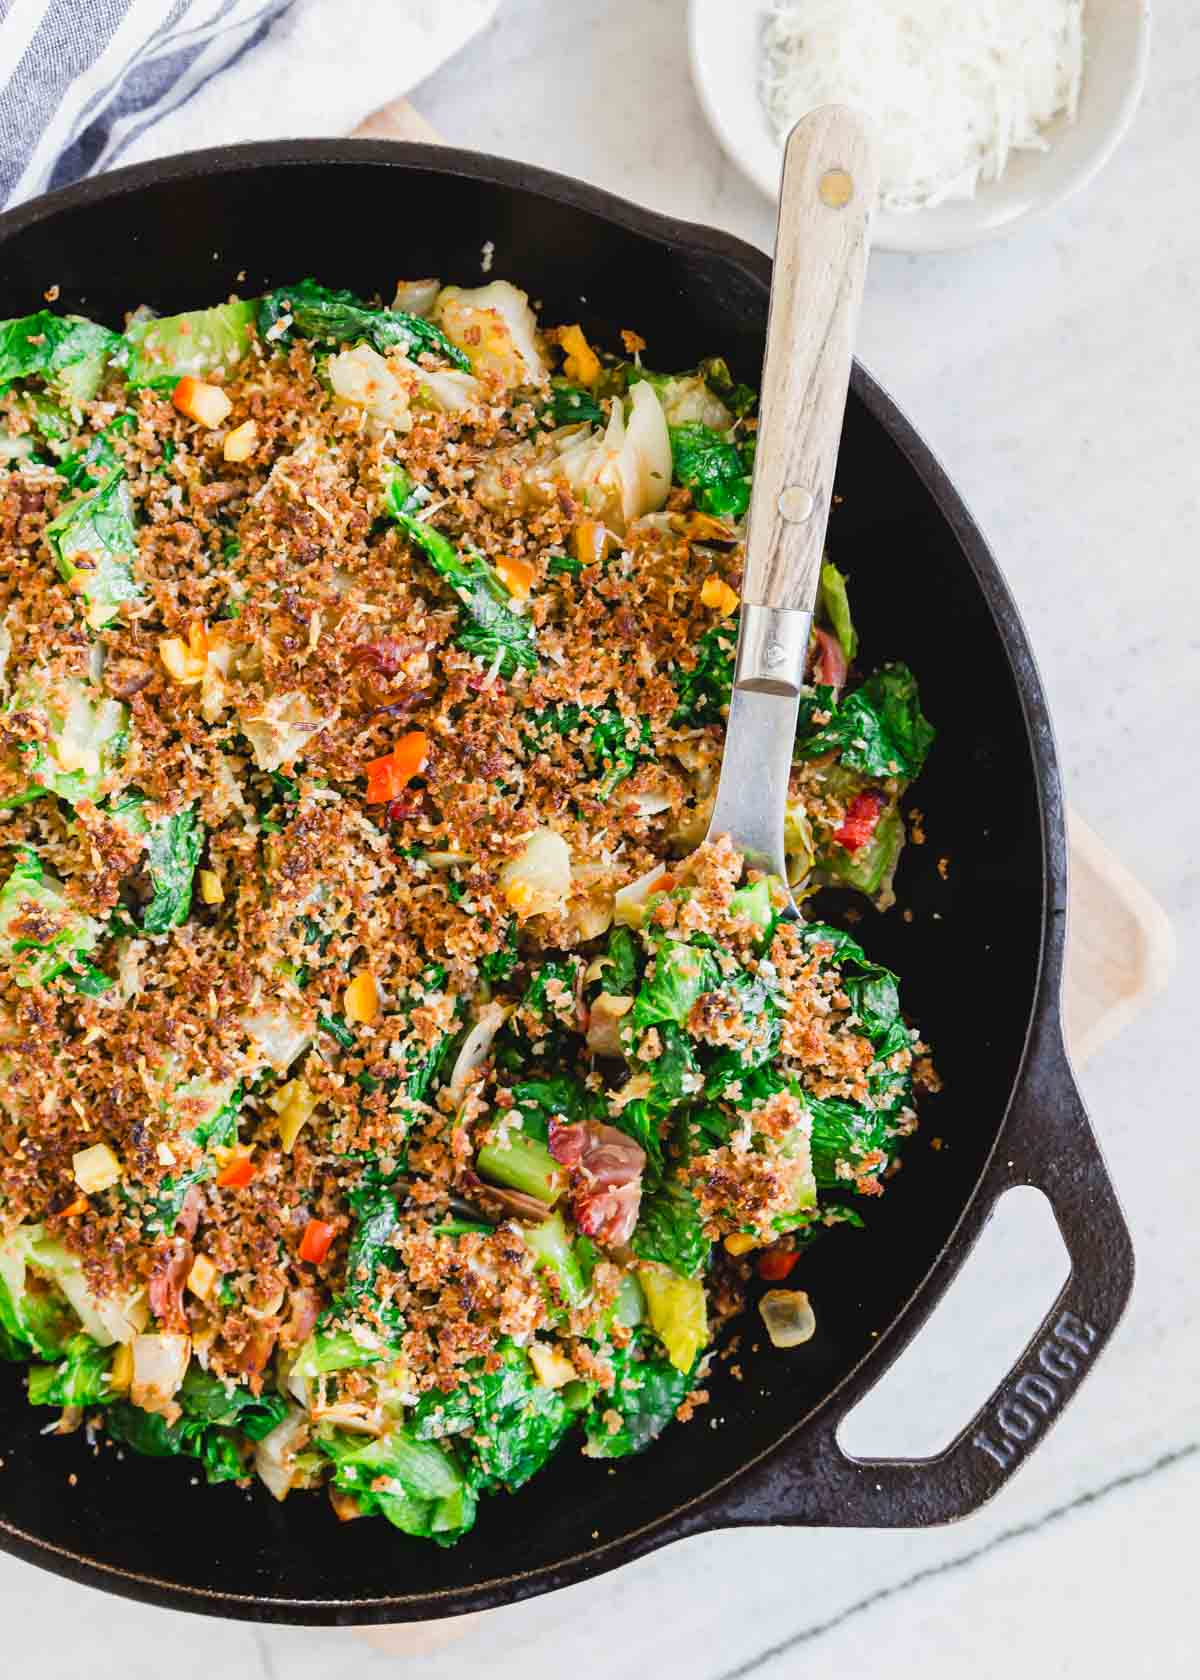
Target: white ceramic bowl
[{"x": 724, "y": 42}]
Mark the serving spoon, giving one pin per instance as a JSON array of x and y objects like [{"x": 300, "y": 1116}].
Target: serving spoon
[{"x": 830, "y": 180}]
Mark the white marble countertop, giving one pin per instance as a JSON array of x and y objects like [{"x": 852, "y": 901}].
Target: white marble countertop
[{"x": 1056, "y": 376}]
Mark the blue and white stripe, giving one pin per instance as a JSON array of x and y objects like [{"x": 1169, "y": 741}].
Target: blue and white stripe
[{"x": 82, "y": 80}]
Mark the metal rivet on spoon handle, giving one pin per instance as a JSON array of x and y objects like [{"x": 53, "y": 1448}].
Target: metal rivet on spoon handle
[{"x": 830, "y": 178}]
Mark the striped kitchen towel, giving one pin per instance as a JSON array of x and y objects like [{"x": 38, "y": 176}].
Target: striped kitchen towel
[{"x": 88, "y": 84}]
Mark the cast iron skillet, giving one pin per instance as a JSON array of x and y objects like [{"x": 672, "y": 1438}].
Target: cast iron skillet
[{"x": 981, "y": 959}]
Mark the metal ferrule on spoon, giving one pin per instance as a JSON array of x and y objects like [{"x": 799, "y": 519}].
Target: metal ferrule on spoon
[{"x": 830, "y": 179}]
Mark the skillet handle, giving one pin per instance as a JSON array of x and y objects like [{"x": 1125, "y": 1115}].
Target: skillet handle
[{"x": 817, "y": 1483}]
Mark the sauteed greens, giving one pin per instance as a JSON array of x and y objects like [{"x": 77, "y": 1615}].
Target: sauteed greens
[{"x": 394, "y": 1092}]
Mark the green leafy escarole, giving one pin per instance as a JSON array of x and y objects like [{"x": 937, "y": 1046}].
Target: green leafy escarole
[
  {"x": 174, "y": 843},
  {"x": 66, "y": 352},
  {"x": 311, "y": 311},
  {"x": 713, "y": 469},
  {"x": 489, "y": 628},
  {"x": 873, "y": 742},
  {"x": 94, "y": 546},
  {"x": 611, "y": 744},
  {"x": 218, "y": 1425}
]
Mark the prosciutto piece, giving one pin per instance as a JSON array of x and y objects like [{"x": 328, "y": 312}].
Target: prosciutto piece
[
  {"x": 189, "y": 1213},
  {"x": 305, "y": 1309},
  {"x": 168, "y": 1275},
  {"x": 829, "y": 664},
  {"x": 606, "y": 1177}
]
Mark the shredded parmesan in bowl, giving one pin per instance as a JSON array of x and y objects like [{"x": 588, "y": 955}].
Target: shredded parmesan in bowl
[{"x": 953, "y": 86}]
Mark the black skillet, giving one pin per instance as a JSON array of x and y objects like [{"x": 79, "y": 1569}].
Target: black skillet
[{"x": 981, "y": 958}]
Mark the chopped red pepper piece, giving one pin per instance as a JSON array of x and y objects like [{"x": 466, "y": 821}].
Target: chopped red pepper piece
[
  {"x": 237, "y": 1174},
  {"x": 387, "y": 777},
  {"x": 400, "y": 809},
  {"x": 316, "y": 1241},
  {"x": 776, "y": 1263},
  {"x": 861, "y": 819}
]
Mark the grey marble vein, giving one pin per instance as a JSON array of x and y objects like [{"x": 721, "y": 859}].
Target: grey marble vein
[{"x": 1020, "y": 1531}]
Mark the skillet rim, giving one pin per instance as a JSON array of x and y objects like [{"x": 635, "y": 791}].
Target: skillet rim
[{"x": 703, "y": 1511}]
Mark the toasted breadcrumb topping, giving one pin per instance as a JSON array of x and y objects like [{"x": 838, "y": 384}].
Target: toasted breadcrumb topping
[{"x": 308, "y": 1050}]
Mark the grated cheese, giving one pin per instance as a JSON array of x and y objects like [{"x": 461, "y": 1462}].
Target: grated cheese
[{"x": 953, "y": 86}]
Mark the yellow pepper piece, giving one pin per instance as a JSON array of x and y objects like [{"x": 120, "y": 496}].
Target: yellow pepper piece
[
  {"x": 582, "y": 365},
  {"x": 361, "y": 1000},
  {"x": 241, "y": 442},
  {"x": 294, "y": 1104},
  {"x": 120, "y": 1373},
  {"x": 519, "y": 895},
  {"x": 202, "y": 1277},
  {"x": 589, "y": 539},
  {"x": 211, "y": 890},
  {"x": 739, "y": 1243},
  {"x": 553, "y": 1369},
  {"x": 95, "y": 1169},
  {"x": 180, "y": 662},
  {"x": 206, "y": 404},
  {"x": 716, "y": 593},
  {"x": 677, "y": 1311}
]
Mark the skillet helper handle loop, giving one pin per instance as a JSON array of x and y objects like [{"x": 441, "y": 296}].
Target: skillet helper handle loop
[
  {"x": 828, "y": 191},
  {"x": 1049, "y": 1143}
]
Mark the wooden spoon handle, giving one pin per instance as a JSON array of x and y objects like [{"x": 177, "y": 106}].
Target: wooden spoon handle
[{"x": 830, "y": 180}]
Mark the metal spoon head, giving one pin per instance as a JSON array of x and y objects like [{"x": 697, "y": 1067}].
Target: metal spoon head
[{"x": 752, "y": 791}]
